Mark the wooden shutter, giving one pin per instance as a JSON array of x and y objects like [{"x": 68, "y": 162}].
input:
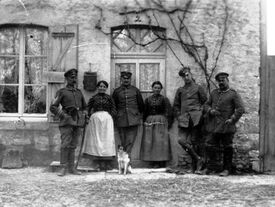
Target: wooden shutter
[{"x": 63, "y": 55}]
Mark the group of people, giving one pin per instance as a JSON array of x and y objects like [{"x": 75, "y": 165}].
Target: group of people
[{"x": 203, "y": 123}]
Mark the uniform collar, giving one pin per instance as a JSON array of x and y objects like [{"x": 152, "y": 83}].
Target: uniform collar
[
  {"x": 71, "y": 88},
  {"x": 220, "y": 91},
  {"x": 189, "y": 84},
  {"x": 125, "y": 87}
]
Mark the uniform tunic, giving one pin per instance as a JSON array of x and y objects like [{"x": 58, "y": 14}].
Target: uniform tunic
[
  {"x": 229, "y": 104},
  {"x": 99, "y": 137},
  {"x": 158, "y": 116},
  {"x": 188, "y": 104},
  {"x": 129, "y": 104},
  {"x": 73, "y": 103}
]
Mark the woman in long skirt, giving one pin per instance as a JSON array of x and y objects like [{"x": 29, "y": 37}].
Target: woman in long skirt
[
  {"x": 99, "y": 141},
  {"x": 158, "y": 118}
]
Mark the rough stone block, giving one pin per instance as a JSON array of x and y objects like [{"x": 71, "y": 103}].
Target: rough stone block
[
  {"x": 13, "y": 158},
  {"x": 256, "y": 165}
]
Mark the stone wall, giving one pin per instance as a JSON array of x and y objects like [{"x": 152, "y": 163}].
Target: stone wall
[{"x": 240, "y": 57}]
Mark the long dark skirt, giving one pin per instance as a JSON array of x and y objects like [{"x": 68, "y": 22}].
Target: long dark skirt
[{"x": 155, "y": 142}]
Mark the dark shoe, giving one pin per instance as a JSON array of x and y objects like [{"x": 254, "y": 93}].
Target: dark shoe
[
  {"x": 62, "y": 172},
  {"x": 97, "y": 168},
  {"x": 199, "y": 165},
  {"x": 74, "y": 171},
  {"x": 224, "y": 173},
  {"x": 171, "y": 170},
  {"x": 181, "y": 172},
  {"x": 204, "y": 172},
  {"x": 109, "y": 167}
]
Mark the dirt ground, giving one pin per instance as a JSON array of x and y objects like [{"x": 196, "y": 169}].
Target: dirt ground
[{"x": 145, "y": 187}]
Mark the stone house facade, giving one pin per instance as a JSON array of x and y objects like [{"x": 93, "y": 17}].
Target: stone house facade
[{"x": 47, "y": 36}]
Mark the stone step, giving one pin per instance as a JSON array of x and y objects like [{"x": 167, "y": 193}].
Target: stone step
[{"x": 86, "y": 166}]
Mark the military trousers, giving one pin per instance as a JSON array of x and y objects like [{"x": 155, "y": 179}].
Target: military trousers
[
  {"x": 128, "y": 137},
  {"x": 69, "y": 139},
  {"x": 219, "y": 143}
]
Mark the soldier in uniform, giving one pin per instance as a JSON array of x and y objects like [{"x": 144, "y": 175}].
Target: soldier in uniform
[
  {"x": 223, "y": 109},
  {"x": 72, "y": 116},
  {"x": 188, "y": 107},
  {"x": 129, "y": 105}
]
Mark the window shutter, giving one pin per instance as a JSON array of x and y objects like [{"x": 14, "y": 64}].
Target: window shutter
[{"x": 62, "y": 55}]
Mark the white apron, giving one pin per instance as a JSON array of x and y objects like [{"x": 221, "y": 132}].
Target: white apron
[{"x": 99, "y": 137}]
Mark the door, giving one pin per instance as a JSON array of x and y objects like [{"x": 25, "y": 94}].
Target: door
[{"x": 144, "y": 73}]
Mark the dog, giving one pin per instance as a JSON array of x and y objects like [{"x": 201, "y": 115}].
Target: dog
[{"x": 123, "y": 161}]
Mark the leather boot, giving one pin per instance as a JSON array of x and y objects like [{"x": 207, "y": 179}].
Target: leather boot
[
  {"x": 71, "y": 166},
  {"x": 63, "y": 161},
  {"x": 211, "y": 157},
  {"x": 224, "y": 173},
  {"x": 195, "y": 157},
  {"x": 62, "y": 171},
  {"x": 227, "y": 161}
]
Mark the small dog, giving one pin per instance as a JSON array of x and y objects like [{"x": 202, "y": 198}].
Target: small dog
[{"x": 123, "y": 161}]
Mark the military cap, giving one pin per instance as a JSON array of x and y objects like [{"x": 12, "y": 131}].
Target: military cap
[
  {"x": 183, "y": 71},
  {"x": 70, "y": 72},
  {"x": 125, "y": 74},
  {"x": 221, "y": 74}
]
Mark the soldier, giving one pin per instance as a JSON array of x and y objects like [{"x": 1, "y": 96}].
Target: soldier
[
  {"x": 223, "y": 109},
  {"x": 71, "y": 117},
  {"x": 188, "y": 103},
  {"x": 129, "y": 104}
]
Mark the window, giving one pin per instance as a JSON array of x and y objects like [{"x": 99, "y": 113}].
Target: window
[
  {"x": 23, "y": 58},
  {"x": 141, "y": 50}
]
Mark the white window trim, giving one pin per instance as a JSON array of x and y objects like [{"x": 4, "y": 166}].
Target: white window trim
[
  {"x": 21, "y": 84},
  {"x": 137, "y": 62}
]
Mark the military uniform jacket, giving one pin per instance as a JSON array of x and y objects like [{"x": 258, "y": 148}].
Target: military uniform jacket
[
  {"x": 73, "y": 104},
  {"x": 230, "y": 106},
  {"x": 188, "y": 104},
  {"x": 129, "y": 105}
]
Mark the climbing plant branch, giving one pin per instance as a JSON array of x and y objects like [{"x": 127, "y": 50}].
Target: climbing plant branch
[{"x": 181, "y": 33}]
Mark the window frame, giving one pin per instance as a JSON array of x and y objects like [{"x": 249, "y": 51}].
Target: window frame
[
  {"x": 139, "y": 57},
  {"x": 21, "y": 82}
]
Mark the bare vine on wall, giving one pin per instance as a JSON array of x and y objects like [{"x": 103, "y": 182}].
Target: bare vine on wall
[{"x": 180, "y": 18}]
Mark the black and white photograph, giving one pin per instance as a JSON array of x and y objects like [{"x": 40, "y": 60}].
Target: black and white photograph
[{"x": 137, "y": 103}]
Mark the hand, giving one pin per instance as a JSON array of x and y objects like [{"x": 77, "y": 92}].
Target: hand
[
  {"x": 229, "y": 121},
  {"x": 65, "y": 116},
  {"x": 87, "y": 118},
  {"x": 214, "y": 112}
]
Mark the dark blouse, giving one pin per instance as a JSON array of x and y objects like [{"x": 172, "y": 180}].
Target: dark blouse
[
  {"x": 158, "y": 105},
  {"x": 101, "y": 102}
]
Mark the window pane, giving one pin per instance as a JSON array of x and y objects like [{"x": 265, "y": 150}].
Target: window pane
[
  {"x": 149, "y": 72},
  {"x": 34, "y": 68},
  {"x": 123, "y": 40},
  {"x": 36, "y": 41},
  {"x": 9, "y": 99},
  {"x": 9, "y": 41},
  {"x": 9, "y": 70},
  {"x": 131, "y": 67},
  {"x": 35, "y": 99},
  {"x": 152, "y": 41}
]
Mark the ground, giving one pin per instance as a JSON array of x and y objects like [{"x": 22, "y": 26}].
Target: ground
[{"x": 145, "y": 187}]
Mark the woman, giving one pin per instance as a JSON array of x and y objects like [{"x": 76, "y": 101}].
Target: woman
[
  {"x": 99, "y": 141},
  {"x": 158, "y": 118}
]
